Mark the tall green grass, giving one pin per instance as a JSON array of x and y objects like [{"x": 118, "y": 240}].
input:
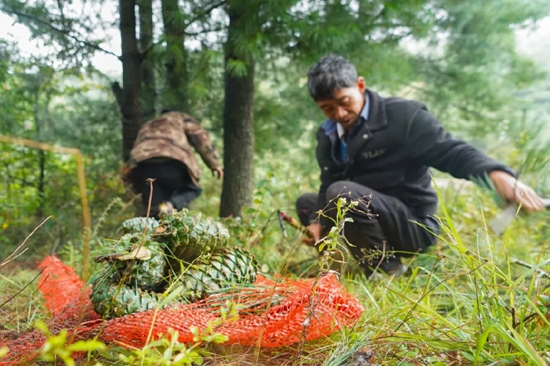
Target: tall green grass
[{"x": 464, "y": 301}]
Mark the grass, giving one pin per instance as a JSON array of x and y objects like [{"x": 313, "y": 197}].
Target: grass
[{"x": 465, "y": 301}]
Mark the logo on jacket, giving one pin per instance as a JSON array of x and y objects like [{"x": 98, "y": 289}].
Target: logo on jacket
[{"x": 372, "y": 154}]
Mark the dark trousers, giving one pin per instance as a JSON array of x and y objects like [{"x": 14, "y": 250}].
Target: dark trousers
[
  {"x": 172, "y": 183},
  {"x": 380, "y": 222}
]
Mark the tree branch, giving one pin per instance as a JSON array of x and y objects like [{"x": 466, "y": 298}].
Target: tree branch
[
  {"x": 64, "y": 32},
  {"x": 205, "y": 11},
  {"x": 117, "y": 91},
  {"x": 198, "y": 33}
]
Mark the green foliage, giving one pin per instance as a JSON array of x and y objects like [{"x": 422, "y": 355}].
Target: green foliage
[
  {"x": 65, "y": 32},
  {"x": 206, "y": 69},
  {"x": 472, "y": 72},
  {"x": 56, "y": 346},
  {"x": 66, "y": 108},
  {"x": 166, "y": 352},
  {"x": 236, "y": 67}
]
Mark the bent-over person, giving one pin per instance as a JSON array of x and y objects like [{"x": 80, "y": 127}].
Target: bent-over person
[{"x": 162, "y": 152}]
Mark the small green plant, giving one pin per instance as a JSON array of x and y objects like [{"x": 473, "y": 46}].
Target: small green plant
[
  {"x": 165, "y": 351},
  {"x": 331, "y": 245},
  {"x": 57, "y": 346}
]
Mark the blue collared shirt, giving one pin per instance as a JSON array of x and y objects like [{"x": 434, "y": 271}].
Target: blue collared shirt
[{"x": 332, "y": 127}]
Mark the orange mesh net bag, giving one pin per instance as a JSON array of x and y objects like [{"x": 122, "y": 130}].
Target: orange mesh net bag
[
  {"x": 271, "y": 314},
  {"x": 67, "y": 300},
  {"x": 65, "y": 294}
]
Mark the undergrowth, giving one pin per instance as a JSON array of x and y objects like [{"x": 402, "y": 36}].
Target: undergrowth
[{"x": 473, "y": 298}]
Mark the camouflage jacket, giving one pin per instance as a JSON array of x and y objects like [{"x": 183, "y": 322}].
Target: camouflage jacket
[{"x": 171, "y": 135}]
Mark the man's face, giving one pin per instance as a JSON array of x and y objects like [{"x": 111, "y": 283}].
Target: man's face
[{"x": 346, "y": 105}]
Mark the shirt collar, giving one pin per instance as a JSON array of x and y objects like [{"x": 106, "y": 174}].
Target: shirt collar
[
  {"x": 365, "y": 111},
  {"x": 341, "y": 131}
]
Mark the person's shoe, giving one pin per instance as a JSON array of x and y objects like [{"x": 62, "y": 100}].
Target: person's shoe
[
  {"x": 166, "y": 208},
  {"x": 393, "y": 267},
  {"x": 389, "y": 266}
]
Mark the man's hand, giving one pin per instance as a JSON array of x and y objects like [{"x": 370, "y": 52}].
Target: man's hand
[
  {"x": 218, "y": 171},
  {"x": 125, "y": 175},
  {"x": 314, "y": 231},
  {"x": 515, "y": 191}
]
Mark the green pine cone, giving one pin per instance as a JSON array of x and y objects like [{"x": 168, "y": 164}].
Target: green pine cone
[
  {"x": 221, "y": 272},
  {"x": 190, "y": 236},
  {"x": 138, "y": 224},
  {"x": 112, "y": 300},
  {"x": 146, "y": 271}
]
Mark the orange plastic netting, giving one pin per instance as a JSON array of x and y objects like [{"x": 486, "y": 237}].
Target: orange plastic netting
[{"x": 290, "y": 311}]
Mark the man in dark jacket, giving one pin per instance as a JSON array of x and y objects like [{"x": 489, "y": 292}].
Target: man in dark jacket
[
  {"x": 162, "y": 152},
  {"x": 377, "y": 151}
]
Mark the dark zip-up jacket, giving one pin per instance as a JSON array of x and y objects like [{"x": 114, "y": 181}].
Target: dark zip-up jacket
[{"x": 393, "y": 150}]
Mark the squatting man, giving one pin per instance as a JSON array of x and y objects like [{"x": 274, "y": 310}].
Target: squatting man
[{"x": 378, "y": 151}]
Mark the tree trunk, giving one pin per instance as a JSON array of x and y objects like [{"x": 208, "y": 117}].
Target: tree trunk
[
  {"x": 41, "y": 157},
  {"x": 130, "y": 94},
  {"x": 148, "y": 94},
  {"x": 238, "y": 125},
  {"x": 41, "y": 182},
  {"x": 175, "y": 94}
]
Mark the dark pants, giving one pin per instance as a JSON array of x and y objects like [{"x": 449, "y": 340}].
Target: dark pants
[
  {"x": 381, "y": 223},
  {"x": 172, "y": 183}
]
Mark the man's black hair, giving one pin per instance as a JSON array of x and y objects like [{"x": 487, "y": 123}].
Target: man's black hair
[
  {"x": 329, "y": 74},
  {"x": 167, "y": 110}
]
